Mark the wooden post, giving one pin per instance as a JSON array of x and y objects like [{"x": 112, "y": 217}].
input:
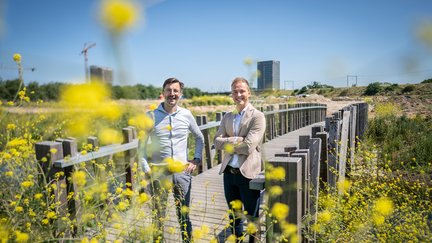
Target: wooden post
[
  {"x": 333, "y": 140},
  {"x": 343, "y": 147},
  {"x": 292, "y": 195},
  {"x": 324, "y": 156},
  {"x": 47, "y": 153},
  {"x": 219, "y": 117},
  {"x": 70, "y": 149},
  {"x": 208, "y": 156},
  {"x": 131, "y": 157}
]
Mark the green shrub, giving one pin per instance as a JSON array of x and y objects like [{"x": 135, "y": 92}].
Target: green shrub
[
  {"x": 373, "y": 89},
  {"x": 408, "y": 88}
]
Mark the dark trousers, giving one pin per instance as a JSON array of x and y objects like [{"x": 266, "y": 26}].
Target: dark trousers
[{"x": 236, "y": 187}]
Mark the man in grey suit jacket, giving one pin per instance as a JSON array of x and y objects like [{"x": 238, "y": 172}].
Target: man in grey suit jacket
[{"x": 240, "y": 135}]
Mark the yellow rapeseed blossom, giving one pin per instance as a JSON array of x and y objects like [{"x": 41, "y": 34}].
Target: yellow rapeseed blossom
[
  {"x": 229, "y": 148},
  {"x": 142, "y": 122},
  {"x": 277, "y": 174},
  {"x": 79, "y": 178},
  {"x": 21, "y": 237},
  {"x": 275, "y": 191},
  {"x": 143, "y": 197},
  {"x": 288, "y": 229},
  {"x": 26, "y": 184},
  {"x": 110, "y": 136},
  {"x": 344, "y": 185},
  {"x": 10, "y": 126},
  {"x": 174, "y": 166},
  {"x": 153, "y": 107},
  {"x": 123, "y": 205},
  {"x": 248, "y": 61},
  {"x": 324, "y": 217},
  {"x": 19, "y": 209},
  {"x": 118, "y": 15},
  {"x": 251, "y": 228},
  {"x": 184, "y": 209},
  {"x": 17, "y": 57},
  {"x": 236, "y": 204},
  {"x": 16, "y": 142},
  {"x": 200, "y": 232},
  {"x": 280, "y": 211},
  {"x": 424, "y": 33},
  {"x": 51, "y": 215},
  {"x": 384, "y": 206},
  {"x": 386, "y": 109},
  {"x": 231, "y": 238}
]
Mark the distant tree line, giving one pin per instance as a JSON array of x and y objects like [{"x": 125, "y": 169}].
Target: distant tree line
[{"x": 51, "y": 91}]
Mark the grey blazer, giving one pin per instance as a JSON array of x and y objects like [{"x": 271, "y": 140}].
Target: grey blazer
[{"x": 249, "y": 141}]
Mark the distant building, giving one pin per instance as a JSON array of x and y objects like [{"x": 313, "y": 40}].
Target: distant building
[
  {"x": 269, "y": 77},
  {"x": 101, "y": 73}
]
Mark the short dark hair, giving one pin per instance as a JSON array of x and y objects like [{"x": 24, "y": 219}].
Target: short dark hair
[{"x": 171, "y": 81}]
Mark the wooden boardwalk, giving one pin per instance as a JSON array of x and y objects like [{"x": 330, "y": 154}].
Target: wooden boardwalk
[{"x": 208, "y": 205}]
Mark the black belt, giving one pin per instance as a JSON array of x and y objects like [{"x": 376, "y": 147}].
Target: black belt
[{"x": 232, "y": 170}]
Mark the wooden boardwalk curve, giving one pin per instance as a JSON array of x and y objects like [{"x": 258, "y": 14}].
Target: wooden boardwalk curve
[{"x": 208, "y": 205}]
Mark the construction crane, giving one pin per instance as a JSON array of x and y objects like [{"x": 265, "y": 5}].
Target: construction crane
[{"x": 84, "y": 51}]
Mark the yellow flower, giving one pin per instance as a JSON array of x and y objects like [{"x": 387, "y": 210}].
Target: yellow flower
[
  {"x": 142, "y": 122},
  {"x": 53, "y": 151},
  {"x": 248, "y": 61},
  {"x": 280, "y": 211},
  {"x": 19, "y": 209},
  {"x": 21, "y": 237},
  {"x": 51, "y": 215},
  {"x": 229, "y": 148},
  {"x": 85, "y": 240},
  {"x": 38, "y": 196},
  {"x": 184, "y": 209},
  {"x": 143, "y": 197},
  {"x": 128, "y": 192},
  {"x": 344, "y": 185},
  {"x": 378, "y": 219},
  {"x": 200, "y": 232},
  {"x": 174, "y": 166},
  {"x": 236, "y": 204},
  {"x": 27, "y": 184},
  {"x": 275, "y": 191},
  {"x": 9, "y": 173},
  {"x": 79, "y": 178},
  {"x": 384, "y": 206},
  {"x": 17, "y": 57},
  {"x": 251, "y": 228},
  {"x": 277, "y": 173},
  {"x": 10, "y": 103},
  {"x": 10, "y": 126},
  {"x": 118, "y": 15},
  {"x": 110, "y": 136},
  {"x": 123, "y": 205},
  {"x": 324, "y": 216},
  {"x": 231, "y": 238},
  {"x": 152, "y": 107}
]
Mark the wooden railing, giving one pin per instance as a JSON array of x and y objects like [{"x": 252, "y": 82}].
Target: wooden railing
[
  {"x": 321, "y": 157},
  {"x": 62, "y": 155}
]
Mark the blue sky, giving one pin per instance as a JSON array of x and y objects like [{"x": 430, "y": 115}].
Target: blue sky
[{"x": 204, "y": 42}]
